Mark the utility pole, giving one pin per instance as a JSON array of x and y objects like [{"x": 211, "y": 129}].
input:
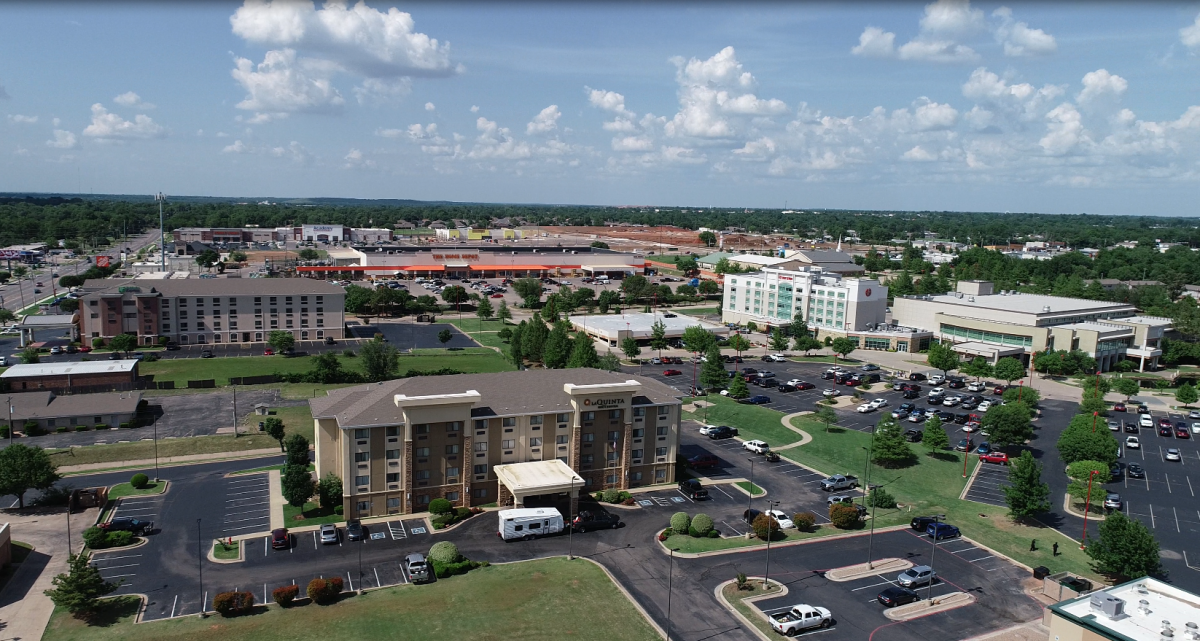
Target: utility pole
[{"x": 162, "y": 232}]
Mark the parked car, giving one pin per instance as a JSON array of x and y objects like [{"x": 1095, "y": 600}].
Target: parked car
[
  {"x": 848, "y": 499},
  {"x": 671, "y": 372},
  {"x": 1112, "y": 501},
  {"x": 800, "y": 617},
  {"x": 865, "y": 408},
  {"x": 913, "y": 436},
  {"x": 782, "y": 519},
  {"x": 897, "y": 595},
  {"x": 920, "y": 523},
  {"x": 268, "y": 351},
  {"x": 758, "y": 399},
  {"x": 964, "y": 445},
  {"x": 831, "y": 393},
  {"x": 1132, "y": 443},
  {"x": 693, "y": 489},
  {"x": 280, "y": 539},
  {"x": 976, "y": 386},
  {"x": 1135, "y": 471},
  {"x": 915, "y": 376},
  {"x": 354, "y": 530},
  {"x": 417, "y": 568},
  {"x": 135, "y": 526},
  {"x": 879, "y": 401},
  {"x": 756, "y": 446},
  {"x": 995, "y": 457},
  {"x": 1173, "y": 455},
  {"x": 587, "y": 521},
  {"x": 206, "y": 353},
  {"x": 785, "y": 387},
  {"x": 722, "y": 431},
  {"x": 839, "y": 482},
  {"x": 1132, "y": 428},
  {"x": 916, "y": 575},
  {"x": 703, "y": 461},
  {"x": 1119, "y": 407},
  {"x": 329, "y": 534},
  {"x": 940, "y": 531}
]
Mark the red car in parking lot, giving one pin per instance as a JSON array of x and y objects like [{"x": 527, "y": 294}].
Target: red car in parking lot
[
  {"x": 805, "y": 385},
  {"x": 280, "y": 539},
  {"x": 994, "y": 457},
  {"x": 1119, "y": 407},
  {"x": 671, "y": 372}
]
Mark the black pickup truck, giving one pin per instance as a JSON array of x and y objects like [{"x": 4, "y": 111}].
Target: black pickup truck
[
  {"x": 693, "y": 489},
  {"x": 587, "y": 521}
]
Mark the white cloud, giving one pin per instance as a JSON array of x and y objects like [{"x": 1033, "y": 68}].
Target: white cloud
[
  {"x": 382, "y": 90},
  {"x": 56, "y": 122},
  {"x": 619, "y": 125},
  {"x": 110, "y": 126},
  {"x": 295, "y": 151},
  {"x": 1101, "y": 83},
  {"x": 931, "y": 116},
  {"x": 918, "y": 154},
  {"x": 282, "y": 84},
  {"x": 712, "y": 90},
  {"x": 20, "y": 151},
  {"x": 1018, "y": 39},
  {"x": 632, "y": 143},
  {"x": 130, "y": 99},
  {"x": 1022, "y": 102},
  {"x": 608, "y": 101},
  {"x": 1189, "y": 36},
  {"x": 429, "y": 106},
  {"x": 236, "y": 147},
  {"x": 875, "y": 43},
  {"x": 200, "y": 132},
  {"x": 760, "y": 149},
  {"x": 1064, "y": 130},
  {"x": 62, "y": 140},
  {"x": 497, "y": 142},
  {"x": 474, "y": 109},
  {"x": 936, "y": 51},
  {"x": 22, "y": 120},
  {"x": 390, "y": 133},
  {"x": 545, "y": 122},
  {"x": 682, "y": 155},
  {"x": 952, "y": 17},
  {"x": 355, "y": 160}
]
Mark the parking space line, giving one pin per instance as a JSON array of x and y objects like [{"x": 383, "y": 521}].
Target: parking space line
[
  {"x": 114, "y": 558},
  {"x": 1176, "y": 520},
  {"x": 1152, "y": 525},
  {"x": 378, "y": 584},
  {"x": 718, "y": 488}
]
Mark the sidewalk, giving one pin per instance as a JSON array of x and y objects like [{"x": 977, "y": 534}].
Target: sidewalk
[{"x": 168, "y": 460}]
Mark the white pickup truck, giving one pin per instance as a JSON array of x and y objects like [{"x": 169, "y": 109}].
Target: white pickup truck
[
  {"x": 839, "y": 482},
  {"x": 800, "y": 617}
]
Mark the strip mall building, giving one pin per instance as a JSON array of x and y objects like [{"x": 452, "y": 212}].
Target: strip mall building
[
  {"x": 482, "y": 262},
  {"x": 399, "y": 444}
]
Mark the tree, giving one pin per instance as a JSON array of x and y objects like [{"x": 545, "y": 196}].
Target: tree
[
  {"x": 1026, "y": 494},
  {"x": 7, "y": 315},
  {"x": 658, "y": 336},
  {"x": 843, "y": 516},
  {"x": 609, "y": 362},
  {"x": 296, "y": 448},
  {"x": 599, "y": 244},
  {"x": 826, "y": 415},
  {"x": 1008, "y": 425},
  {"x": 709, "y": 287},
  {"x": 1024, "y": 395},
  {"x": 444, "y": 336},
  {"x": 297, "y": 484},
  {"x": 583, "y": 352},
  {"x": 275, "y": 429},
  {"x": 737, "y": 387},
  {"x": 29, "y": 356},
  {"x": 515, "y": 344},
  {"x": 1186, "y": 394},
  {"x": 380, "y": 360},
  {"x": 123, "y": 343},
  {"x": 533, "y": 339},
  {"x": 503, "y": 313},
  {"x": 634, "y": 288},
  {"x": 529, "y": 289},
  {"x": 80, "y": 588},
  {"x": 708, "y": 238},
  {"x": 1126, "y": 387},
  {"x": 738, "y": 343},
  {"x": 888, "y": 447},
  {"x": 629, "y": 347},
  {"x": 237, "y": 256},
  {"x": 24, "y": 468},
  {"x": 282, "y": 341},
  {"x": 1093, "y": 402},
  {"x": 1009, "y": 369},
  {"x": 67, "y": 282},
  {"x": 327, "y": 369},
  {"x": 942, "y": 357},
  {"x": 454, "y": 294},
  {"x": 308, "y": 254},
  {"x": 1080, "y": 472},
  {"x": 977, "y": 367},
  {"x": 207, "y": 258},
  {"x": 550, "y": 308},
  {"x": 712, "y": 373},
  {"x": 696, "y": 339},
  {"x": 935, "y": 439},
  {"x": 1079, "y": 442},
  {"x": 20, "y": 271},
  {"x": 779, "y": 340},
  {"x": 806, "y": 344},
  {"x": 842, "y": 345},
  {"x": 329, "y": 490},
  {"x": 764, "y": 526},
  {"x": 687, "y": 265},
  {"x": 359, "y": 300},
  {"x": 558, "y": 347},
  {"x": 484, "y": 310},
  {"x": 1125, "y": 549}
]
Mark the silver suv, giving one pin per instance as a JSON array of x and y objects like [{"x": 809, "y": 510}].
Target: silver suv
[
  {"x": 416, "y": 567},
  {"x": 329, "y": 533}
]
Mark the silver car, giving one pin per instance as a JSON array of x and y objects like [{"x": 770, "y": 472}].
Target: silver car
[
  {"x": 329, "y": 533},
  {"x": 918, "y": 575}
]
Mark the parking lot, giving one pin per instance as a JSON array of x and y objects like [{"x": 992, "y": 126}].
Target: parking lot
[
  {"x": 247, "y": 504},
  {"x": 406, "y": 334},
  {"x": 988, "y": 485}
]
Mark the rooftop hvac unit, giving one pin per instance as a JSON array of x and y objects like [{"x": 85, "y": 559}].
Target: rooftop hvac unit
[
  {"x": 1112, "y": 607},
  {"x": 1046, "y": 309},
  {"x": 971, "y": 299}
]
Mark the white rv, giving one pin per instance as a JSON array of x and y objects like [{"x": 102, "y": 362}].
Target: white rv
[{"x": 526, "y": 523}]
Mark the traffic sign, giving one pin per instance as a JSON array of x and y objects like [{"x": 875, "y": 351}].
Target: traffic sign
[
  {"x": 103, "y": 261},
  {"x": 9, "y": 253}
]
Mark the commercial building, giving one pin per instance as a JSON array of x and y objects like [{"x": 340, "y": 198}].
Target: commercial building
[
  {"x": 829, "y": 303},
  {"x": 613, "y": 328},
  {"x": 70, "y": 376},
  {"x": 830, "y": 261},
  {"x": 307, "y": 233},
  {"x": 51, "y": 411},
  {"x": 470, "y": 233},
  {"x": 1140, "y": 610},
  {"x": 489, "y": 261},
  {"x": 210, "y": 310},
  {"x": 981, "y": 322},
  {"x": 399, "y": 444}
]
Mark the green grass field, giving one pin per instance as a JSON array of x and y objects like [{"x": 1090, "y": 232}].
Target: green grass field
[
  {"x": 144, "y": 450},
  {"x": 297, "y": 419},
  {"x": 752, "y": 421},
  {"x": 485, "y": 336},
  {"x": 557, "y": 599},
  {"x": 313, "y": 514},
  {"x": 121, "y": 490},
  {"x": 225, "y": 552},
  {"x": 753, "y": 488},
  {"x": 699, "y": 311}
]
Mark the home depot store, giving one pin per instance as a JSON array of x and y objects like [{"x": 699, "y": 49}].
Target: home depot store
[{"x": 489, "y": 262}]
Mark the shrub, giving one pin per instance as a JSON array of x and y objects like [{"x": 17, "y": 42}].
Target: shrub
[
  {"x": 316, "y": 590},
  {"x": 285, "y": 595},
  {"x": 231, "y": 604},
  {"x": 101, "y": 426},
  {"x": 338, "y": 509},
  {"x": 680, "y": 522},
  {"x": 445, "y": 570},
  {"x": 612, "y": 496},
  {"x": 95, "y": 538},
  {"x": 804, "y": 521},
  {"x": 126, "y": 425},
  {"x": 440, "y": 506},
  {"x": 742, "y": 582},
  {"x": 78, "y": 428},
  {"x": 713, "y": 534},
  {"x": 61, "y": 429},
  {"x": 461, "y": 513},
  {"x": 33, "y": 429},
  {"x": 4, "y": 431},
  {"x": 880, "y": 497},
  {"x": 764, "y": 526},
  {"x": 118, "y": 539},
  {"x": 843, "y": 516},
  {"x": 599, "y": 496},
  {"x": 444, "y": 552},
  {"x": 349, "y": 353},
  {"x": 139, "y": 481},
  {"x": 693, "y": 532},
  {"x": 624, "y": 496},
  {"x": 703, "y": 523},
  {"x": 324, "y": 591}
]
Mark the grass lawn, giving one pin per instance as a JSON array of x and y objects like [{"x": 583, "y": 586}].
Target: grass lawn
[
  {"x": 220, "y": 369},
  {"x": 142, "y": 450},
  {"x": 751, "y": 421},
  {"x": 267, "y": 468},
  {"x": 125, "y": 489},
  {"x": 558, "y": 598},
  {"x": 699, "y": 311},
  {"x": 225, "y": 552},
  {"x": 485, "y": 336},
  {"x": 313, "y": 514},
  {"x": 753, "y": 488},
  {"x": 297, "y": 419},
  {"x": 737, "y": 598},
  {"x": 930, "y": 486}
]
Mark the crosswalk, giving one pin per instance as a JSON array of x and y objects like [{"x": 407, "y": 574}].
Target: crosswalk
[{"x": 396, "y": 528}]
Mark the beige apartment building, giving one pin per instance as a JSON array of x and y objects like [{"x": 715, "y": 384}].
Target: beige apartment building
[
  {"x": 210, "y": 310},
  {"x": 399, "y": 444}
]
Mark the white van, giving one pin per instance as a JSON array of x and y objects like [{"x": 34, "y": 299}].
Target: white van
[
  {"x": 602, "y": 280},
  {"x": 527, "y": 523}
]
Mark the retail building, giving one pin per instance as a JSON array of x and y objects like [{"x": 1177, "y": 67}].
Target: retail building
[
  {"x": 828, "y": 302},
  {"x": 399, "y": 444},
  {"x": 122, "y": 374},
  {"x": 613, "y": 328},
  {"x": 489, "y": 261}
]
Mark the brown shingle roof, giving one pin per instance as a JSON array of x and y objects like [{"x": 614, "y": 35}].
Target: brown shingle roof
[
  {"x": 35, "y": 405},
  {"x": 218, "y": 286}
]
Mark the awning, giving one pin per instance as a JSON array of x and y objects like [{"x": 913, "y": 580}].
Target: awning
[
  {"x": 508, "y": 267},
  {"x": 611, "y": 268},
  {"x": 423, "y": 268}
]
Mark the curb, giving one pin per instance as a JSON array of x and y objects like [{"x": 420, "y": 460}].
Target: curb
[
  {"x": 1095, "y": 516},
  {"x": 860, "y": 570},
  {"x": 719, "y": 593},
  {"x": 214, "y": 559},
  {"x": 762, "y": 546},
  {"x": 924, "y": 608}
]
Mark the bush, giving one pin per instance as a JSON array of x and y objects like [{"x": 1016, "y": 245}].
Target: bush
[
  {"x": 231, "y": 604},
  {"x": 680, "y": 522},
  {"x": 33, "y": 429},
  {"x": 285, "y": 595},
  {"x": 612, "y": 496},
  {"x": 101, "y": 426},
  {"x": 95, "y": 538},
  {"x": 338, "y": 509},
  {"x": 742, "y": 582},
  {"x": 713, "y": 534},
  {"x": 445, "y": 570},
  {"x": 624, "y": 496},
  {"x": 118, "y": 539},
  {"x": 139, "y": 481},
  {"x": 78, "y": 428},
  {"x": 324, "y": 591},
  {"x": 126, "y": 425},
  {"x": 843, "y": 516},
  {"x": 703, "y": 523},
  {"x": 444, "y": 552},
  {"x": 599, "y": 496},
  {"x": 693, "y": 532},
  {"x": 4, "y": 431},
  {"x": 764, "y": 526},
  {"x": 61, "y": 429},
  {"x": 880, "y": 497},
  {"x": 804, "y": 521},
  {"x": 349, "y": 353},
  {"x": 440, "y": 506}
]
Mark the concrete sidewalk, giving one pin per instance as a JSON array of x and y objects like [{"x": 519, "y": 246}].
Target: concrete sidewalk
[{"x": 168, "y": 461}]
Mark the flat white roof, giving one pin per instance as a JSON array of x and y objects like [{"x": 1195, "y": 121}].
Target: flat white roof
[
  {"x": 48, "y": 320},
  {"x": 74, "y": 369},
  {"x": 975, "y": 347},
  {"x": 535, "y": 476},
  {"x": 640, "y": 324},
  {"x": 1103, "y": 328},
  {"x": 1149, "y": 606},
  {"x": 1154, "y": 321},
  {"x": 1029, "y": 303},
  {"x": 755, "y": 259}
]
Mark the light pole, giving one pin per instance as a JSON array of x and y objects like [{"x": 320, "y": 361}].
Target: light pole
[
  {"x": 155, "y": 449},
  {"x": 571, "y": 522},
  {"x": 10, "y": 423},
  {"x": 1087, "y": 508},
  {"x": 771, "y": 505},
  {"x": 670, "y": 580},
  {"x": 752, "y": 485},
  {"x": 937, "y": 518},
  {"x": 200, "y": 567},
  {"x": 162, "y": 232},
  {"x": 360, "y": 583}
]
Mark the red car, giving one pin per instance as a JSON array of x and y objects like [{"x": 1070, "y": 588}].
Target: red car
[
  {"x": 280, "y": 539},
  {"x": 268, "y": 352},
  {"x": 671, "y": 372},
  {"x": 1164, "y": 422},
  {"x": 854, "y": 382},
  {"x": 1119, "y": 407},
  {"x": 804, "y": 385},
  {"x": 497, "y": 295},
  {"x": 85, "y": 349},
  {"x": 1181, "y": 432},
  {"x": 999, "y": 391},
  {"x": 994, "y": 457}
]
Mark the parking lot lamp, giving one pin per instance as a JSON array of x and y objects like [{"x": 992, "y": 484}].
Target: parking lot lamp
[
  {"x": 771, "y": 505},
  {"x": 360, "y": 575},
  {"x": 966, "y": 455},
  {"x": 571, "y": 521},
  {"x": 155, "y": 449},
  {"x": 1095, "y": 417},
  {"x": 937, "y": 518},
  {"x": 200, "y": 567},
  {"x": 1087, "y": 505},
  {"x": 752, "y": 485},
  {"x": 670, "y": 579}
]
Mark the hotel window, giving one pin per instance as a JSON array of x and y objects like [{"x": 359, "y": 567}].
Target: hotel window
[
  {"x": 589, "y": 416},
  {"x": 586, "y": 459},
  {"x": 423, "y": 499},
  {"x": 451, "y": 496},
  {"x": 662, "y": 451},
  {"x": 362, "y": 433},
  {"x": 393, "y": 455},
  {"x": 562, "y": 439},
  {"x": 422, "y": 428},
  {"x": 660, "y": 475},
  {"x": 636, "y": 453},
  {"x": 508, "y": 443},
  {"x": 510, "y": 422},
  {"x": 535, "y": 420},
  {"x": 422, "y": 452},
  {"x": 639, "y": 433},
  {"x": 663, "y": 429},
  {"x": 481, "y": 469},
  {"x": 393, "y": 430},
  {"x": 451, "y": 450},
  {"x": 451, "y": 473},
  {"x": 393, "y": 503},
  {"x": 610, "y": 479},
  {"x": 563, "y": 418},
  {"x": 479, "y": 492},
  {"x": 364, "y": 506},
  {"x": 588, "y": 438},
  {"x": 612, "y": 456},
  {"x": 453, "y": 426},
  {"x": 362, "y": 480},
  {"x": 481, "y": 446},
  {"x": 636, "y": 476},
  {"x": 663, "y": 410},
  {"x": 393, "y": 477},
  {"x": 422, "y": 475},
  {"x": 535, "y": 442},
  {"x": 614, "y": 415},
  {"x": 362, "y": 457},
  {"x": 639, "y": 411},
  {"x": 612, "y": 436},
  {"x": 480, "y": 424}
]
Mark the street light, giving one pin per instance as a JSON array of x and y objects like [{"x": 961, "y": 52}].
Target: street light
[
  {"x": 155, "y": 449},
  {"x": 571, "y": 512},
  {"x": 200, "y": 567},
  {"x": 670, "y": 580},
  {"x": 937, "y": 518},
  {"x": 771, "y": 505},
  {"x": 752, "y": 485},
  {"x": 1087, "y": 508}
]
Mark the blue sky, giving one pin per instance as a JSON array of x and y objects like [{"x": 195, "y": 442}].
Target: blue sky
[{"x": 1068, "y": 108}]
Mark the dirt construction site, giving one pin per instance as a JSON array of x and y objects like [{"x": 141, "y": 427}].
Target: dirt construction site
[{"x": 664, "y": 239}]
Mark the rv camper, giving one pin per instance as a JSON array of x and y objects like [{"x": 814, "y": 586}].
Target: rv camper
[{"x": 526, "y": 523}]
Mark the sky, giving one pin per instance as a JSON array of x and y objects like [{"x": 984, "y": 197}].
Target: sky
[{"x": 1036, "y": 107}]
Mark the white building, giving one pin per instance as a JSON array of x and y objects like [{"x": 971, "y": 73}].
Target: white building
[{"x": 828, "y": 301}]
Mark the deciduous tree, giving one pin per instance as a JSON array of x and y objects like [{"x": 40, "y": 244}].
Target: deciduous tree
[
  {"x": 24, "y": 468},
  {"x": 296, "y": 448},
  {"x": 888, "y": 447},
  {"x": 558, "y": 347},
  {"x": 935, "y": 438},
  {"x": 297, "y": 485},
  {"x": 583, "y": 352},
  {"x": 1008, "y": 369},
  {"x": 123, "y": 343},
  {"x": 708, "y": 238},
  {"x": 942, "y": 357},
  {"x": 779, "y": 340},
  {"x": 485, "y": 311},
  {"x": 503, "y": 312},
  {"x": 275, "y": 429},
  {"x": 737, "y": 387},
  {"x": 1126, "y": 387},
  {"x": 1125, "y": 549},
  {"x": 1026, "y": 494},
  {"x": 79, "y": 589},
  {"x": 380, "y": 360},
  {"x": 658, "y": 336},
  {"x": 1186, "y": 394},
  {"x": 696, "y": 339},
  {"x": 280, "y": 340},
  {"x": 712, "y": 373},
  {"x": 826, "y": 415},
  {"x": 1008, "y": 425},
  {"x": 630, "y": 348},
  {"x": 444, "y": 336},
  {"x": 842, "y": 346}
]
